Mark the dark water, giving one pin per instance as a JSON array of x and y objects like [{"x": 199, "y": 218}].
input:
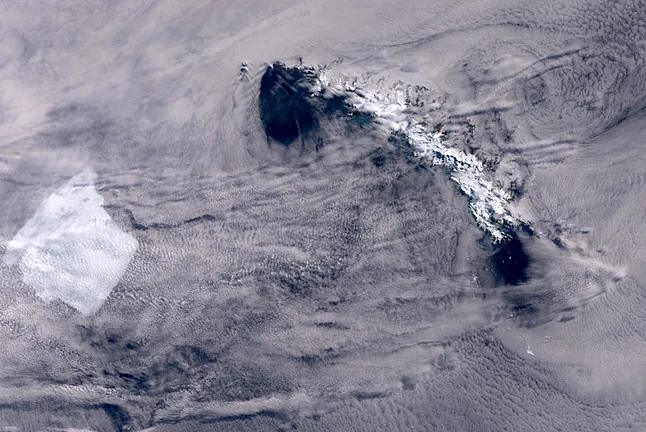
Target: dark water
[{"x": 285, "y": 108}]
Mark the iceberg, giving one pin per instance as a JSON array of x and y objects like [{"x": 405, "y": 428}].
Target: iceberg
[{"x": 71, "y": 249}]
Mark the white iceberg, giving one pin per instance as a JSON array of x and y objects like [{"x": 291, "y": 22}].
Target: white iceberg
[{"x": 71, "y": 249}]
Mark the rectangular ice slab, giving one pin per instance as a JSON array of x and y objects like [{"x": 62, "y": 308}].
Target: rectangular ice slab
[{"x": 71, "y": 249}]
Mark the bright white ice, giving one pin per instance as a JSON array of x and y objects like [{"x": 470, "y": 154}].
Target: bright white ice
[
  {"x": 489, "y": 204},
  {"x": 71, "y": 249}
]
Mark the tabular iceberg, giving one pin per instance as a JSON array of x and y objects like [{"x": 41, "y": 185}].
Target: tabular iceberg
[{"x": 71, "y": 249}]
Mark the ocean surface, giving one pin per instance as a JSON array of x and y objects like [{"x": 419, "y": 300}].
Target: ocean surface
[{"x": 298, "y": 215}]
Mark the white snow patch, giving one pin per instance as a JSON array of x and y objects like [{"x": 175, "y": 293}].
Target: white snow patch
[
  {"x": 489, "y": 204},
  {"x": 71, "y": 249}
]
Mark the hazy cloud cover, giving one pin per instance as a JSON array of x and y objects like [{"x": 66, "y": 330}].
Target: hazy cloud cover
[{"x": 169, "y": 264}]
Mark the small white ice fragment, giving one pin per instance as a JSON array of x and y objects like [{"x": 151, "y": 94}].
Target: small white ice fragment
[
  {"x": 529, "y": 351},
  {"x": 71, "y": 249}
]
